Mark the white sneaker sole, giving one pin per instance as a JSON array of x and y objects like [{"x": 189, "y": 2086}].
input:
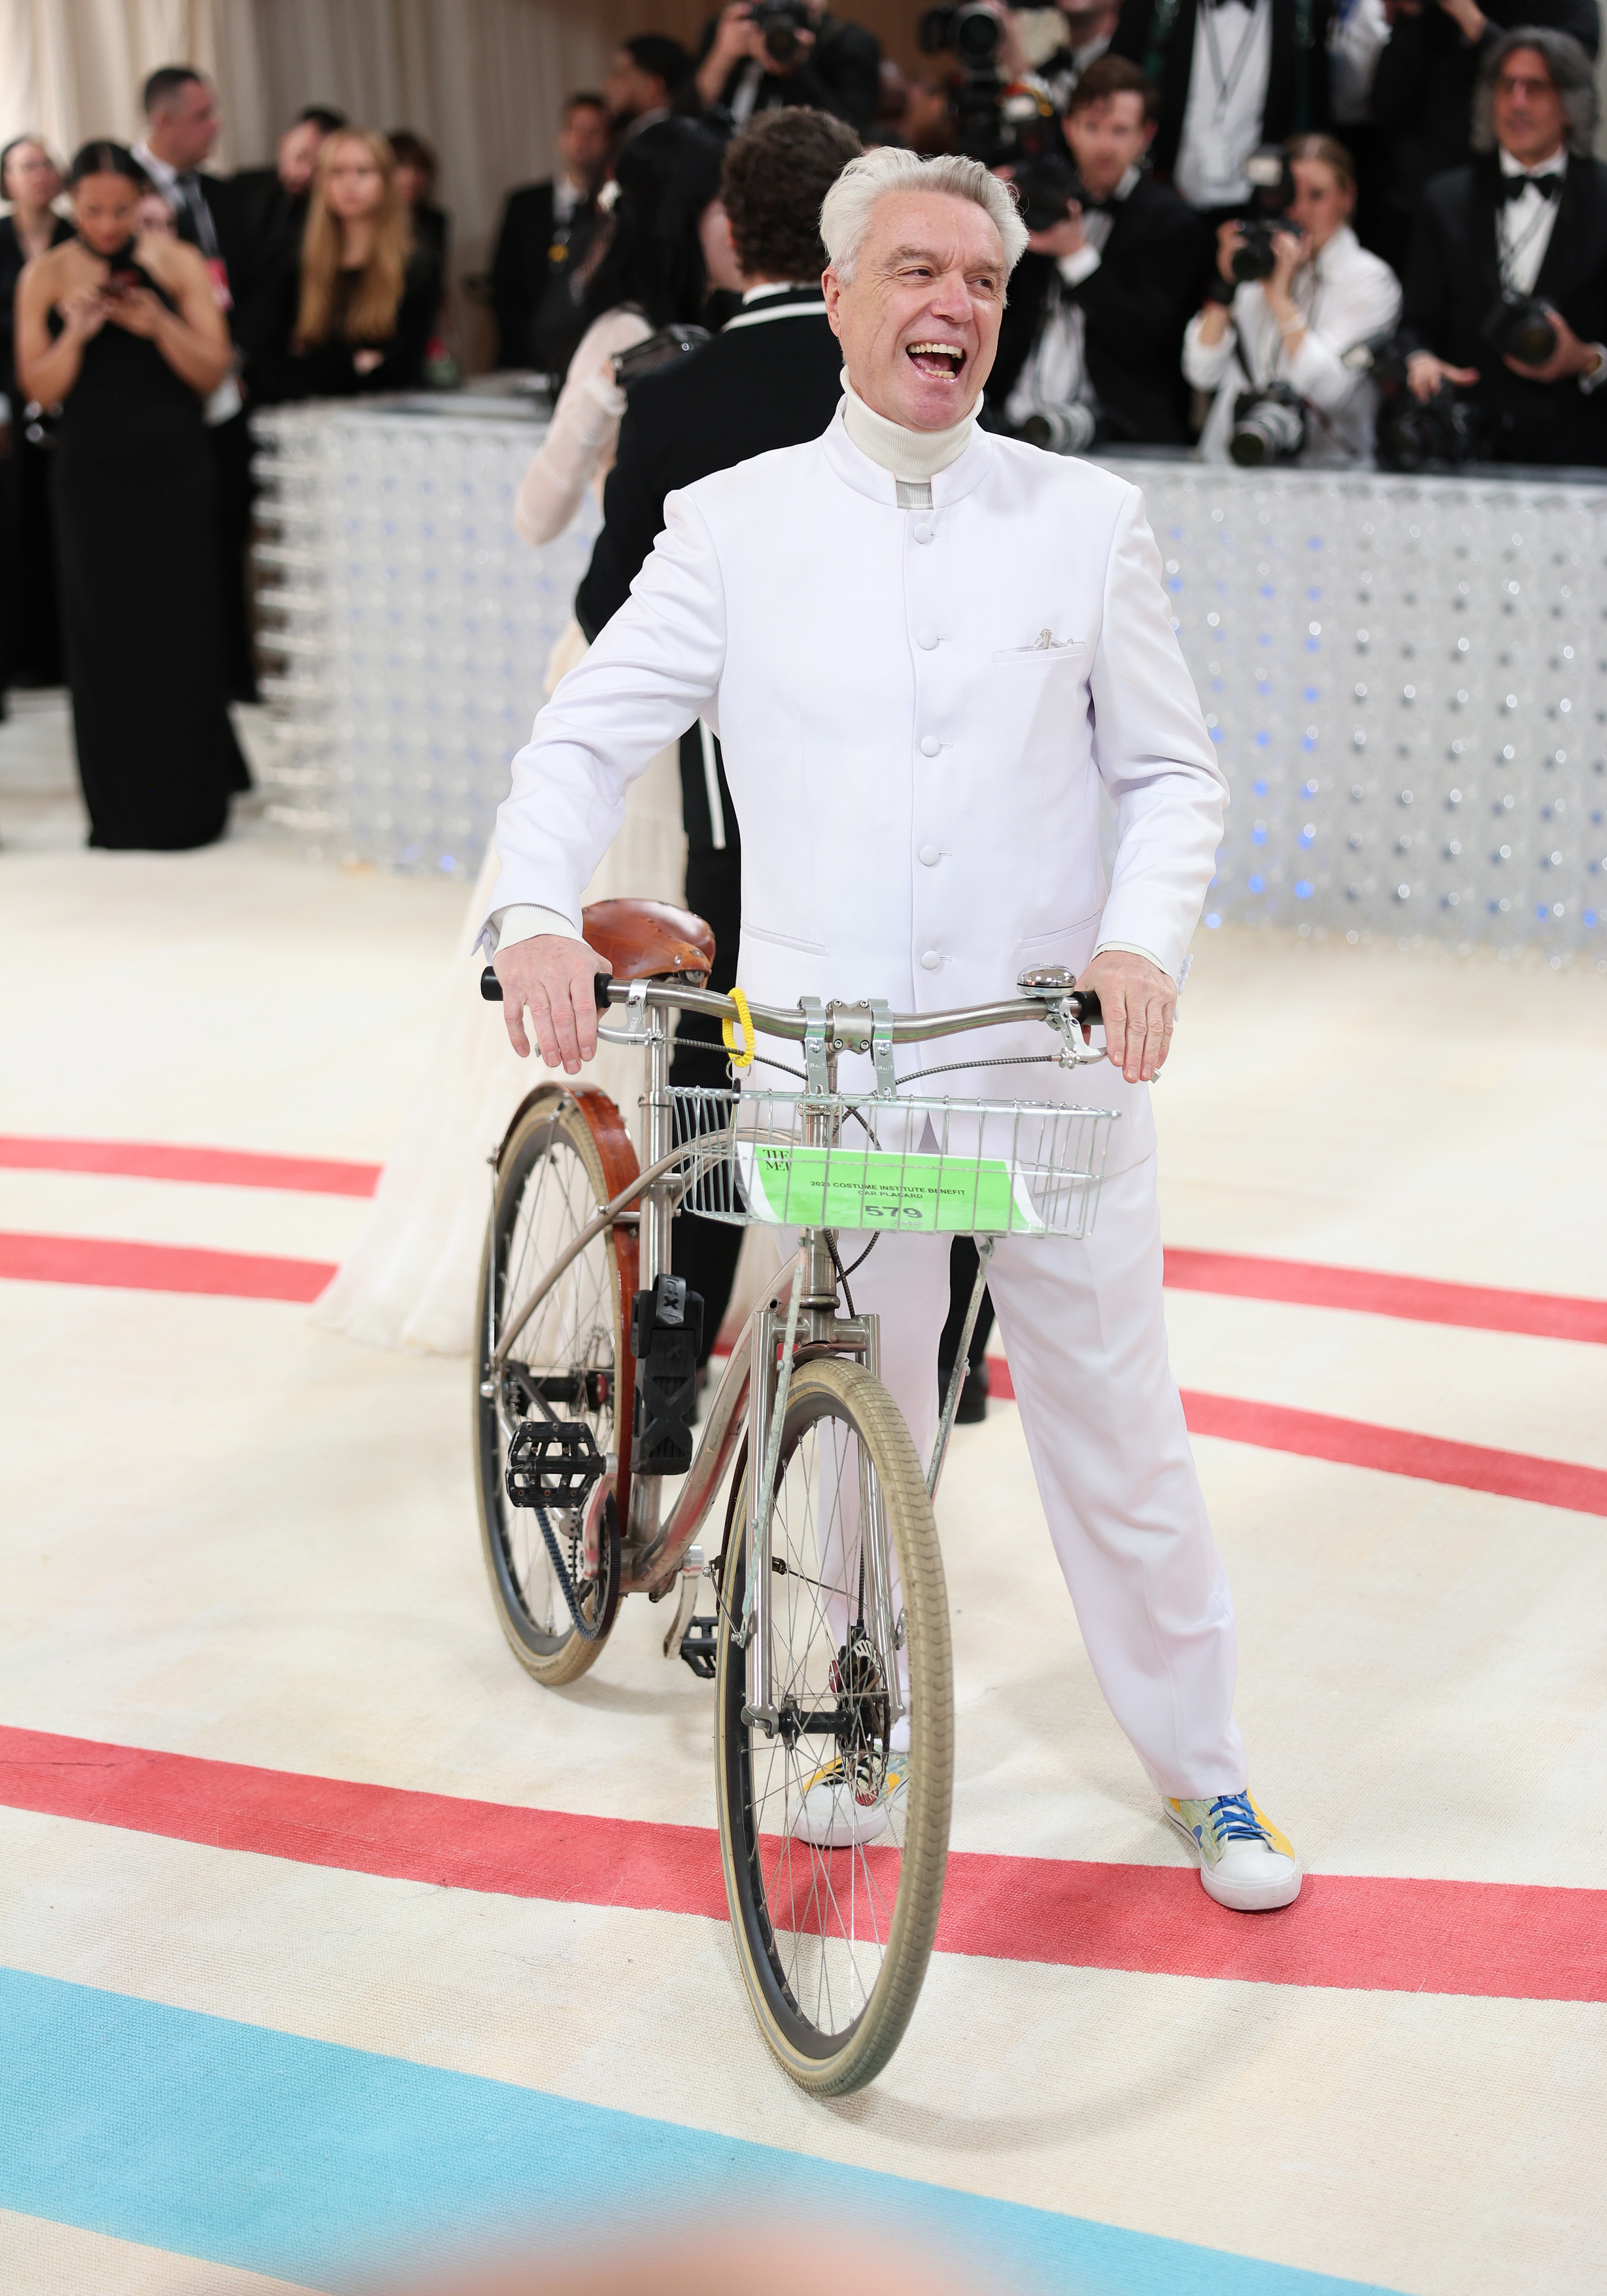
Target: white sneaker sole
[
  {"x": 837, "y": 1822},
  {"x": 1240, "y": 1897}
]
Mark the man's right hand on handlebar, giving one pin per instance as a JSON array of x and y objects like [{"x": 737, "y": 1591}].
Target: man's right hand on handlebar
[{"x": 555, "y": 977}]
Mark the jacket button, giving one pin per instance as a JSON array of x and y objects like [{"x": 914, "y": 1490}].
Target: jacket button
[
  {"x": 922, "y": 533},
  {"x": 930, "y": 856},
  {"x": 930, "y": 745},
  {"x": 929, "y": 960},
  {"x": 926, "y": 640}
]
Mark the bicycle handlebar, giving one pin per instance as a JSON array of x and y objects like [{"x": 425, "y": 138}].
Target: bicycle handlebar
[{"x": 773, "y": 1020}]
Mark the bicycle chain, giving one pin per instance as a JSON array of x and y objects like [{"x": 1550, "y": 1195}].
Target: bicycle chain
[{"x": 588, "y": 1630}]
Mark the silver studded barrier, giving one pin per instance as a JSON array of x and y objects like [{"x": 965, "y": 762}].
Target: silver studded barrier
[
  {"x": 1407, "y": 683},
  {"x": 1405, "y": 679}
]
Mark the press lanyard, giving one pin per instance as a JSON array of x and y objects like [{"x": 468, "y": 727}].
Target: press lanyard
[{"x": 1227, "y": 84}]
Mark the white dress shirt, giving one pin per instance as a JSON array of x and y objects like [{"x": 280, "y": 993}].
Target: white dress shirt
[
  {"x": 1226, "y": 98},
  {"x": 1524, "y": 226},
  {"x": 1349, "y": 297}
]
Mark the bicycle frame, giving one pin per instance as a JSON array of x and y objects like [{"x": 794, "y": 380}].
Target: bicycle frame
[{"x": 752, "y": 1394}]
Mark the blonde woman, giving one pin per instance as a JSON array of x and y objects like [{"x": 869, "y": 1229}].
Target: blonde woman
[{"x": 354, "y": 314}]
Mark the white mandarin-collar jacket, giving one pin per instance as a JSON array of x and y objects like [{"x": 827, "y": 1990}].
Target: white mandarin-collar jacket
[{"x": 917, "y": 709}]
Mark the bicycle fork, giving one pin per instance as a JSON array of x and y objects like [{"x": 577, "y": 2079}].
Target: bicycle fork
[{"x": 811, "y": 1312}]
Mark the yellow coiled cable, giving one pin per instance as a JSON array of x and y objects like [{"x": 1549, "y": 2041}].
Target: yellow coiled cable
[{"x": 743, "y": 1060}]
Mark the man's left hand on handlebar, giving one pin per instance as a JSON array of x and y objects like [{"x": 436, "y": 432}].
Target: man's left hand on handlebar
[
  {"x": 1139, "y": 1003},
  {"x": 555, "y": 977}
]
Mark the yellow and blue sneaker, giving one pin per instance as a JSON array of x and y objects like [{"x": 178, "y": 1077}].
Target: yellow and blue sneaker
[
  {"x": 1245, "y": 1861},
  {"x": 838, "y": 1809}
]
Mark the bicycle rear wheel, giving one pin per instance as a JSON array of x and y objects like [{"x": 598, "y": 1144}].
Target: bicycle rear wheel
[
  {"x": 568, "y": 1154},
  {"x": 834, "y": 1823}
]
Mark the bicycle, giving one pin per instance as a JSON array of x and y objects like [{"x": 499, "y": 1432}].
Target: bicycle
[{"x": 828, "y": 1644}]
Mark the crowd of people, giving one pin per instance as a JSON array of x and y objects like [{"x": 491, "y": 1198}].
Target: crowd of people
[
  {"x": 1312, "y": 231},
  {"x": 146, "y": 307}
]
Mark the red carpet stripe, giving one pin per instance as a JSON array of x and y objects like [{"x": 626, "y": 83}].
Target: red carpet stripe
[
  {"x": 1389, "y": 1451},
  {"x": 222, "y": 1168},
  {"x": 1395, "y": 1451},
  {"x": 1511, "y": 1940},
  {"x": 1475, "y": 1307},
  {"x": 160, "y": 1268}
]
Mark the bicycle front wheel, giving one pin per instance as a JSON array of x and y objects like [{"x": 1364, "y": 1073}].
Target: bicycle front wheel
[{"x": 834, "y": 1806}]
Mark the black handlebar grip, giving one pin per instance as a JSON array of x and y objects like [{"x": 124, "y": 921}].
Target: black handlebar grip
[
  {"x": 1087, "y": 1003},
  {"x": 490, "y": 988}
]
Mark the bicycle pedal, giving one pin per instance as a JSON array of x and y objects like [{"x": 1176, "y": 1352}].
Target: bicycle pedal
[
  {"x": 665, "y": 1332},
  {"x": 553, "y": 1462},
  {"x": 700, "y": 1646}
]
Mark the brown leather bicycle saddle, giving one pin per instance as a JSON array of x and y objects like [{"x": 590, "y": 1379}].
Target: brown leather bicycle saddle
[{"x": 644, "y": 940}]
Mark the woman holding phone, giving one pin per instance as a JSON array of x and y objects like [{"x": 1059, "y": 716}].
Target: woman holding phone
[{"x": 119, "y": 327}]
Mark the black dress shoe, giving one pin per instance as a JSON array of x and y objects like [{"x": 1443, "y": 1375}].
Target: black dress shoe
[{"x": 972, "y": 1404}]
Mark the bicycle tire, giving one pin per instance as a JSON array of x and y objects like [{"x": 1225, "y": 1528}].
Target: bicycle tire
[
  {"x": 578, "y": 1140},
  {"x": 831, "y": 2060}
]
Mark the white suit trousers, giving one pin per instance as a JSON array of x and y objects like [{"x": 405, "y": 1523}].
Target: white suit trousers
[{"x": 1086, "y": 1335}]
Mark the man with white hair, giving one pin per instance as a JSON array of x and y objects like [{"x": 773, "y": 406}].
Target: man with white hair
[{"x": 924, "y": 649}]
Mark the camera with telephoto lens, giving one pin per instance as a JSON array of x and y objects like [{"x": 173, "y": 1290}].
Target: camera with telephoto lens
[
  {"x": 967, "y": 31},
  {"x": 1271, "y": 181},
  {"x": 1269, "y": 426},
  {"x": 1520, "y": 327},
  {"x": 1002, "y": 126},
  {"x": 1411, "y": 435},
  {"x": 1044, "y": 184},
  {"x": 1061, "y": 430},
  {"x": 780, "y": 22}
]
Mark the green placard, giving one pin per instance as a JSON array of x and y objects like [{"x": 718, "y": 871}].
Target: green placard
[{"x": 793, "y": 1186}]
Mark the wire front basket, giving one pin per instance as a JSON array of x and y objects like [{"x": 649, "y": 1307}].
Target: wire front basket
[{"x": 931, "y": 1166}]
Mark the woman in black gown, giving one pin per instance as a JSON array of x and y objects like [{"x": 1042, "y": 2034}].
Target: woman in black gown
[
  {"x": 124, "y": 330},
  {"x": 30, "y": 645}
]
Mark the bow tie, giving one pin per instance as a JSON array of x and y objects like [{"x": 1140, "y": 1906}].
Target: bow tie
[{"x": 1513, "y": 187}]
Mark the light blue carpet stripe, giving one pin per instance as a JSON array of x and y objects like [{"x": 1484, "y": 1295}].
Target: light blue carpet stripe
[{"x": 306, "y": 2159}]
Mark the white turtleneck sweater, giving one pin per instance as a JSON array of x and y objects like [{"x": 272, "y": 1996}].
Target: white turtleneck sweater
[{"x": 915, "y": 458}]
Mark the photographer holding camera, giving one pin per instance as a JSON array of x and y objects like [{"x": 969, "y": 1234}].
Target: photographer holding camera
[
  {"x": 1093, "y": 331},
  {"x": 1305, "y": 297},
  {"x": 1507, "y": 291},
  {"x": 761, "y": 55}
]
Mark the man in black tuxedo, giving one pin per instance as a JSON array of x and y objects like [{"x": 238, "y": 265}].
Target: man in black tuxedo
[
  {"x": 1098, "y": 305},
  {"x": 828, "y": 65},
  {"x": 1528, "y": 217},
  {"x": 1233, "y": 74},
  {"x": 182, "y": 126},
  {"x": 770, "y": 378},
  {"x": 1423, "y": 90},
  {"x": 543, "y": 234}
]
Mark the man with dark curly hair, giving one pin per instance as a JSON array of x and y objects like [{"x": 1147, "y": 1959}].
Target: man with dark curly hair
[{"x": 771, "y": 378}]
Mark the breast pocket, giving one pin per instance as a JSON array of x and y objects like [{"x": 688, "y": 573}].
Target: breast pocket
[{"x": 1035, "y": 656}]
